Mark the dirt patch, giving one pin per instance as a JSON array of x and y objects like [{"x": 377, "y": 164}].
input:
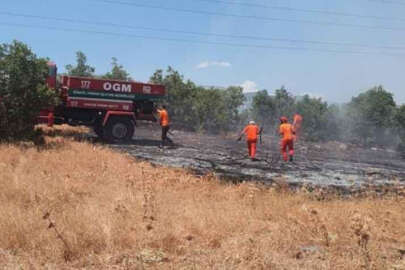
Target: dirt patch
[{"x": 332, "y": 165}]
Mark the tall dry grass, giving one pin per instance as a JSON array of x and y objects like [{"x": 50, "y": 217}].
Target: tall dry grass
[{"x": 78, "y": 205}]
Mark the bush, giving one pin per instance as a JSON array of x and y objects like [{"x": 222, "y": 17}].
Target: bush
[
  {"x": 23, "y": 91},
  {"x": 267, "y": 109},
  {"x": 319, "y": 117},
  {"x": 400, "y": 125},
  {"x": 372, "y": 116}
]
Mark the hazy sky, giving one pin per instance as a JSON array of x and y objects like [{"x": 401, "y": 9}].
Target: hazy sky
[{"x": 319, "y": 66}]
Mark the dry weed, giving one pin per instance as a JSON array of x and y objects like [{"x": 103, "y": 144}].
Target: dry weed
[{"x": 105, "y": 210}]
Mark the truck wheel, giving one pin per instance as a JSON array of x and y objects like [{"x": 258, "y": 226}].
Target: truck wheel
[{"x": 119, "y": 129}]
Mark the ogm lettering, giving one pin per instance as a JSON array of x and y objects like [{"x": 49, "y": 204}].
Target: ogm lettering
[{"x": 117, "y": 87}]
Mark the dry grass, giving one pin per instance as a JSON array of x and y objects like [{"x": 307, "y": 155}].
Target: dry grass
[{"x": 78, "y": 205}]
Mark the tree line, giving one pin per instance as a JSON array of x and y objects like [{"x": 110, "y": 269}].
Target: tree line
[{"x": 371, "y": 118}]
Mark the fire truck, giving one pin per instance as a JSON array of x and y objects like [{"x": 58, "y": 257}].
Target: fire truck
[{"x": 110, "y": 107}]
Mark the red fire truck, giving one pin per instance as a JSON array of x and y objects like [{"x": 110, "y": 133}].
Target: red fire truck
[{"x": 111, "y": 107}]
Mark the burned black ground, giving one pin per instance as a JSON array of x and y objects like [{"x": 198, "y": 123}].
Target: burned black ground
[{"x": 327, "y": 165}]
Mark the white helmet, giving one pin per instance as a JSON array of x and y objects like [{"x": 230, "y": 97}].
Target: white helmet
[{"x": 252, "y": 122}]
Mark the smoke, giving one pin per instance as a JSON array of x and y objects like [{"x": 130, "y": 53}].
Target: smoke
[{"x": 368, "y": 120}]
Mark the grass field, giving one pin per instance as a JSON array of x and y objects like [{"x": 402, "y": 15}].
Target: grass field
[{"x": 72, "y": 204}]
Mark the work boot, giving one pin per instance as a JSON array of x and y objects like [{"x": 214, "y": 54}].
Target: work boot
[{"x": 291, "y": 159}]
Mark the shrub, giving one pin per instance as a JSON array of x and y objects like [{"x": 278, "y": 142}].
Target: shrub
[{"x": 23, "y": 91}]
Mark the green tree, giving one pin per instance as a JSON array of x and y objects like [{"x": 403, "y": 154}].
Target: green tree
[
  {"x": 157, "y": 77},
  {"x": 217, "y": 109},
  {"x": 181, "y": 96},
  {"x": 210, "y": 110},
  {"x": 233, "y": 99},
  {"x": 284, "y": 103},
  {"x": 316, "y": 115},
  {"x": 321, "y": 121},
  {"x": 334, "y": 118},
  {"x": 400, "y": 120},
  {"x": 244, "y": 116},
  {"x": 372, "y": 114},
  {"x": 82, "y": 69},
  {"x": 117, "y": 72},
  {"x": 196, "y": 108},
  {"x": 23, "y": 90},
  {"x": 263, "y": 108},
  {"x": 267, "y": 109},
  {"x": 400, "y": 126}
]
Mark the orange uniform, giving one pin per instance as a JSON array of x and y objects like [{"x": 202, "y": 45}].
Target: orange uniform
[
  {"x": 287, "y": 141},
  {"x": 251, "y": 131},
  {"x": 164, "y": 118},
  {"x": 165, "y": 124},
  {"x": 297, "y": 125}
]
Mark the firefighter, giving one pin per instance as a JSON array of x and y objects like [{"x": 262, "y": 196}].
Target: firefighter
[
  {"x": 164, "y": 121},
  {"x": 297, "y": 124},
  {"x": 251, "y": 131},
  {"x": 287, "y": 141}
]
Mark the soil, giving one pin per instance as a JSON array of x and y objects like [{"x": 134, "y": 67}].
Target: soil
[{"x": 331, "y": 165}]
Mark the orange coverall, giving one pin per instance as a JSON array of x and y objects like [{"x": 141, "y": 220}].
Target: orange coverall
[
  {"x": 297, "y": 126},
  {"x": 251, "y": 132},
  {"x": 165, "y": 124},
  {"x": 287, "y": 141},
  {"x": 164, "y": 118}
]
